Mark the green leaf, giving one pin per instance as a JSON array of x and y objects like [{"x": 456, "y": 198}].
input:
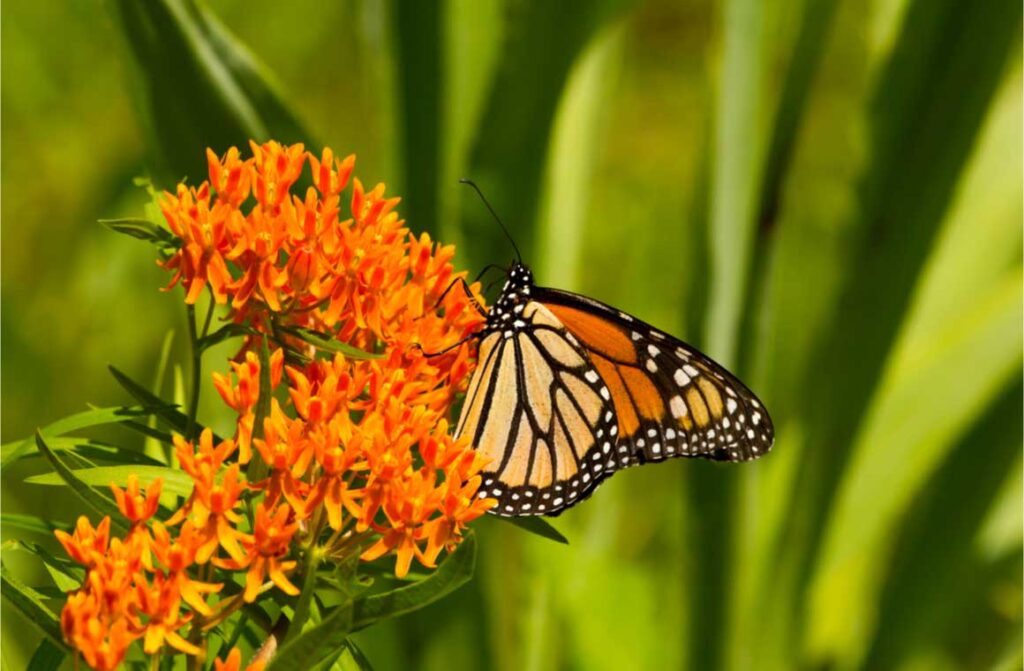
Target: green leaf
[
  {"x": 150, "y": 432},
  {"x": 201, "y": 86},
  {"x": 455, "y": 571},
  {"x": 66, "y": 574},
  {"x": 10, "y": 452},
  {"x": 143, "y": 229},
  {"x": 225, "y": 332},
  {"x": 30, "y": 603},
  {"x": 83, "y": 447},
  {"x": 176, "y": 482},
  {"x": 32, "y": 524},
  {"x": 47, "y": 657},
  {"x": 99, "y": 503},
  {"x": 538, "y": 526},
  {"x": 315, "y": 644},
  {"x": 327, "y": 343},
  {"x": 351, "y": 659},
  {"x": 176, "y": 419}
]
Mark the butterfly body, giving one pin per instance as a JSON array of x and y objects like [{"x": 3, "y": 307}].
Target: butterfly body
[{"x": 568, "y": 391}]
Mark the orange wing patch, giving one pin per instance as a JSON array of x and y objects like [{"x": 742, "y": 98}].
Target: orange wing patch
[
  {"x": 599, "y": 335},
  {"x": 645, "y": 394},
  {"x": 624, "y": 410}
]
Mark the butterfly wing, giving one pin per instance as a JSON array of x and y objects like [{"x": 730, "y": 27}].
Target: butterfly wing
[
  {"x": 540, "y": 414},
  {"x": 670, "y": 399}
]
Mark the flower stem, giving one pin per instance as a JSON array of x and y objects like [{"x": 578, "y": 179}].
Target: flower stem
[
  {"x": 197, "y": 362},
  {"x": 193, "y": 401}
]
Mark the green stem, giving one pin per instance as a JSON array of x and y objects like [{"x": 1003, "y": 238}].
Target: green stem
[
  {"x": 312, "y": 560},
  {"x": 197, "y": 363}
]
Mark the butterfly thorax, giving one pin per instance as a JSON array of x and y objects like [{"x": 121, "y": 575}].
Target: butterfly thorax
[{"x": 506, "y": 315}]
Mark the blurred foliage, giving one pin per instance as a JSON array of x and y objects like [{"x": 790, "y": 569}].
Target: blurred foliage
[{"x": 825, "y": 194}]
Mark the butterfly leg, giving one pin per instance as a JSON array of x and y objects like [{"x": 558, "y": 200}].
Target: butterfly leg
[
  {"x": 431, "y": 355},
  {"x": 469, "y": 294}
]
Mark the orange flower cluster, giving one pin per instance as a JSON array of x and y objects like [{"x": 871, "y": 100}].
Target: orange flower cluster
[
  {"x": 353, "y": 459},
  {"x": 126, "y": 595}
]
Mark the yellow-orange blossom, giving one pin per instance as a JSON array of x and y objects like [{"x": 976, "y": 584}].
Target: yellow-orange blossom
[{"x": 358, "y": 454}]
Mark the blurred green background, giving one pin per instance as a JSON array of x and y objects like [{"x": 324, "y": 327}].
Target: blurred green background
[{"x": 824, "y": 195}]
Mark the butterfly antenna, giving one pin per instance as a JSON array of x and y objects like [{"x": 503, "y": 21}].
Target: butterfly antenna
[{"x": 493, "y": 214}]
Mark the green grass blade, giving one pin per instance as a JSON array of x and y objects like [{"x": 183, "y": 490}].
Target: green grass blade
[
  {"x": 736, "y": 172},
  {"x": 936, "y": 566},
  {"x": 899, "y": 448},
  {"x": 577, "y": 134},
  {"x": 201, "y": 87},
  {"x": 961, "y": 342},
  {"x": 808, "y": 52},
  {"x": 473, "y": 37},
  {"x": 417, "y": 38},
  {"x": 918, "y": 146},
  {"x": 543, "y": 40}
]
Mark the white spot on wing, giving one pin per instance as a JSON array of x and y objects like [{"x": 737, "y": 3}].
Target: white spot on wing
[{"x": 677, "y": 406}]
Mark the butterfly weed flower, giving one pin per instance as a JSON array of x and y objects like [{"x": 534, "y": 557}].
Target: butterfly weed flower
[{"x": 342, "y": 450}]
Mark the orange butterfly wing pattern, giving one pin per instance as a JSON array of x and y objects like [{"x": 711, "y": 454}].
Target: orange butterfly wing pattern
[
  {"x": 670, "y": 399},
  {"x": 568, "y": 390}
]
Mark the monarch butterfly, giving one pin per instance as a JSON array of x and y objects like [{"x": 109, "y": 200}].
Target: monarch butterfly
[{"x": 568, "y": 390}]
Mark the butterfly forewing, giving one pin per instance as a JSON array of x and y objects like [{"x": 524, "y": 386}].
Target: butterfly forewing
[{"x": 540, "y": 416}]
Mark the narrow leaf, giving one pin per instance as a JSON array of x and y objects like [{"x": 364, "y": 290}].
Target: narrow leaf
[
  {"x": 87, "y": 449},
  {"x": 143, "y": 229},
  {"x": 302, "y": 606},
  {"x": 30, "y": 603},
  {"x": 538, "y": 526},
  {"x": 32, "y": 524},
  {"x": 175, "y": 481},
  {"x": 351, "y": 659},
  {"x": 316, "y": 644},
  {"x": 47, "y": 657},
  {"x": 96, "y": 501},
  {"x": 225, "y": 332},
  {"x": 452, "y": 573},
  {"x": 12, "y": 451},
  {"x": 176, "y": 419},
  {"x": 327, "y": 343}
]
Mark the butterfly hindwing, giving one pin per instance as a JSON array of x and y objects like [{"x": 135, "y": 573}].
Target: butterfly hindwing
[{"x": 670, "y": 399}]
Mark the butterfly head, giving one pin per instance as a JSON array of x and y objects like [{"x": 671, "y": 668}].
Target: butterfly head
[{"x": 506, "y": 315}]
